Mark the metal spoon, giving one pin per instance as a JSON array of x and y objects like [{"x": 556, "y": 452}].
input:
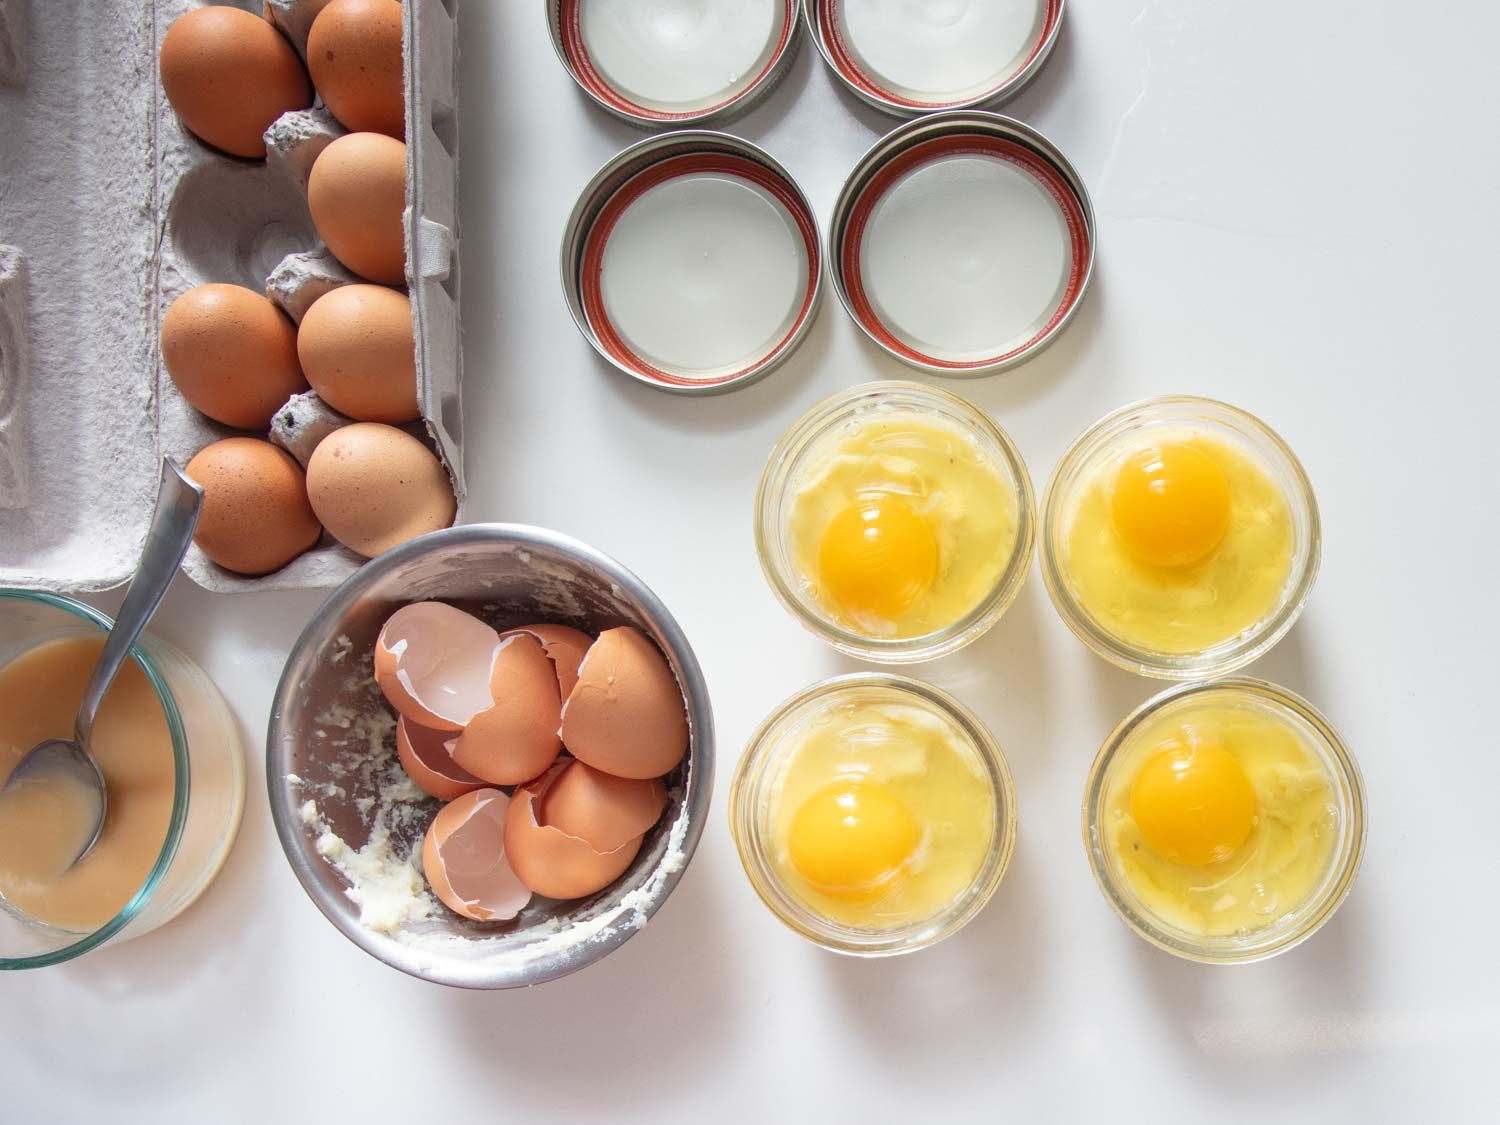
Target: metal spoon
[{"x": 67, "y": 760}]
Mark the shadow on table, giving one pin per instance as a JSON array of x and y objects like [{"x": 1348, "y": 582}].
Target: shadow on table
[
  {"x": 1295, "y": 1012},
  {"x": 671, "y": 993},
  {"x": 977, "y": 986}
]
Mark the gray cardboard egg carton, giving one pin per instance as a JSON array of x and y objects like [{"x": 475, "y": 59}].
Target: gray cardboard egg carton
[{"x": 116, "y": 211}]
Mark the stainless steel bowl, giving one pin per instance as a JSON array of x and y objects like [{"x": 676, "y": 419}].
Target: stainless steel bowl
[{"x": 324, "y": 782}]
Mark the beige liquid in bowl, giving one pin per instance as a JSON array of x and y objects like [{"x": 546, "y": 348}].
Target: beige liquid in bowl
[{"x": 39, "y": 696}]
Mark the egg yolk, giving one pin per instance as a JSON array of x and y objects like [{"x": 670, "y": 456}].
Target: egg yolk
[
  {"x": 852, "y": 839},
  {"x": 1194, "y": 805},
  {"x": 878, "y": 557},
  {"x": 1171, "y": 505}
]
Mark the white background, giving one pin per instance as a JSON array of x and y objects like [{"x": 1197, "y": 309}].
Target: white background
[{"x": 1296, "y": 205}]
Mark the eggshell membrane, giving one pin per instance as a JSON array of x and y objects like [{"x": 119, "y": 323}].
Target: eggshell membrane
[
  {"x": 463, "y": 857},
  {"x": 565, "y": 647},
  {"x": 515, "y": 740},
  {"x": 228, "y": 75},
  {"x": 357, "y": 348},
  {"x": 626, "y": 715},
  {"x": 255, "y": 516},
  {"x": 548, "y": 860},
  {"x": 232, "y": 354},
  {"x": 356, "y": 195},
  {"x": 605, "y": 810},
  {"x": 428, "y": 762},
  {"x": 374, "y": 487},
  {"x": 433, "y": 663},
  {"x": 354, "y": 54}
]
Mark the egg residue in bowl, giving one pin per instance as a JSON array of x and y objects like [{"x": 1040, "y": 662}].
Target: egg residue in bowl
[
  {"x": 900, "y": 524},
  {"x": 1178, "y": 544},
  {"x": 1221, "y": 817}
]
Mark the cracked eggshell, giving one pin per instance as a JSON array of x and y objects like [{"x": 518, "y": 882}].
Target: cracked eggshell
[
  {"x": 626, "y": 716},
  {"x": 516, "y": 739},
  {"x": 565, "y": 647},
  {"x": 547, "y": 859},
  {"x": 427, "y": 758},
  {"x": 605, "y": 810},
  {"x": 463, "y": 857},
  {"x": 433, "y": 663}
]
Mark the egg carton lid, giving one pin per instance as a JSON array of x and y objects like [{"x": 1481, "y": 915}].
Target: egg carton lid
[{"x": 90, "y": 256}]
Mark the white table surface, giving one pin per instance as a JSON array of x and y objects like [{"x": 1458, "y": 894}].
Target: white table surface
[{"x": 1297, "y": 214}]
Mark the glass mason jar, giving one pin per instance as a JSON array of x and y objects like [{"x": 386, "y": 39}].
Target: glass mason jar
[
  {"x": 758, "y": 776},
  {"x": 1127, "y": 429},
  {"x": 811, "y": 435}
]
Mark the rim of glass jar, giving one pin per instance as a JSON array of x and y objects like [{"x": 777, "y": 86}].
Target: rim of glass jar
[
  {"x": 1229, "y": 656},
  {"x": 786, "y": 457},
  {"x": 182, "y": 773},
  {"x": 1343, "y": 870},
  {"x": 745, "y": 794}
]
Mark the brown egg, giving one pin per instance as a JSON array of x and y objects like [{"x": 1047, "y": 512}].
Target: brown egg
[
  {"x": 357, "y": 195},
  {"x": 605, "y": 810},
  {"x": 354, "y": 53},
  {"x": 626, "y": 716},
  {"x": 463, "y": 857},
  {"x": 232, "y": 354},
  {"x": 516, "y": 739},
  {"x": 425, "y": 757},
  {"x": 565, "y": 647},
  {"x": 359, "y": 353},
  {"x": 374, "y": 486},
  {"x": 547, "y": 859},
  {"x": 255, "y": 517},
  {"x": 229, "y": 75}
]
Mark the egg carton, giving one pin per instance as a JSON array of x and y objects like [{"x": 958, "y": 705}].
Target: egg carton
[{"x": 115, "y": 210}]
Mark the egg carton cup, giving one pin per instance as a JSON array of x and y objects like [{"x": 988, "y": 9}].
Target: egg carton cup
[{"x": 151, "y": 212}]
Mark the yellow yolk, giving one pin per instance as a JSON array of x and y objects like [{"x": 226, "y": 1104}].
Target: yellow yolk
[
  {"x": 1251, "y": 766},
  {"x": 901, "y": 523},
  {"x": 878, "y": 557},
  {"x": 1189, "y": 608},
  {"x": 852, "y": 839},
  {"x": 1171, "y": 505},
  {"x": 882, "y": 813},
  {"x": 1193, "y": 804}
]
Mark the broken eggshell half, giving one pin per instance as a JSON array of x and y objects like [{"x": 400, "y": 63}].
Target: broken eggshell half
[
  {"x": 626, "y": 715},
  {"x": 552, "y": 862},
  {"x": 606, "y": 811},
  {"x": 515, "y": 738},
  {"x": 464, "y": 859},
  {"x": 426, "y": 756},
  {"x": 434, "y": 663},
  {"x": 565, "y": 647}
]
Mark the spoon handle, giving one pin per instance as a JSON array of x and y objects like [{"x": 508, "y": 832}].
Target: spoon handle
[{"x": 178, "y": 501}]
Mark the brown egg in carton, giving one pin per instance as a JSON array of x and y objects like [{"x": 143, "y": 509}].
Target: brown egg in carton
[
  {"x": 248, "y": 223},
  {"x": 151, "y": 211}
]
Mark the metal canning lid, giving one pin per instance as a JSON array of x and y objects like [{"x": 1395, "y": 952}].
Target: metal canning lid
[
  {"x": 676, "y": 62},
  {"x": 962, "y": 243},
  {"x": 692, "y": 262},
  {"x": 909, "y": 59}
]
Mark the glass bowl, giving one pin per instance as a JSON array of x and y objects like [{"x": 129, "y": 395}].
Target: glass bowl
[
  {"x": 1178, "y": 414},
  {"x": 208, "y": 772},
  {"x": 758, "y": 773},
  {"x": 1292, "y": 927},
  {"x": 338, "y": 792},
  {"x": 811, "y": 434}
]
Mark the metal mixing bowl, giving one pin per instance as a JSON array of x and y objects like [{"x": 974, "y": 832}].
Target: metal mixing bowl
[{"x": 332, "y": 773}]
